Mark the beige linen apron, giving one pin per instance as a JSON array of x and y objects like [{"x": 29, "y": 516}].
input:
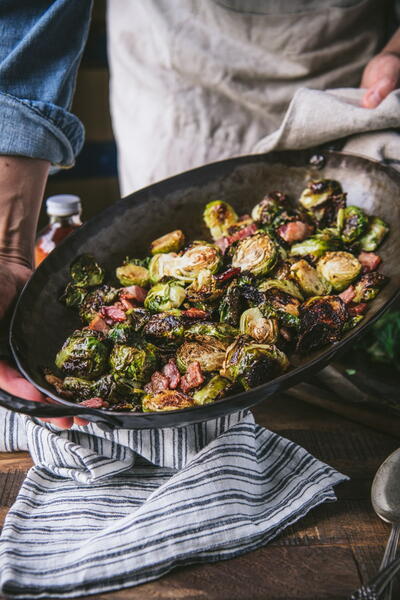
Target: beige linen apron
[{"x": 195, "y": 81}]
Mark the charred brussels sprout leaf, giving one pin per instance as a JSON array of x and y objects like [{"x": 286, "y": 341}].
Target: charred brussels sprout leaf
[
  {"x": 170, "y": 242},
  {"x": 80, "y": 387},
  {"x": 162, "y": 265},
  {"x": 220, "y": 331},
  {"x": 352, "y": 222},
  {"x": 261, "y": 329},
  {"x": 167, "y": 400},
  {"x": 209, "y": 353},
  {"x": 198, "y": 257},
  {"x": 164, "y": 329},
  {"x": 287, "y": 286},
  {"x": 253, "y": 364},
  {"x": 257, "y": 254},
  {"x": 83, "y": 354},
  {"x": 132, "y": 273},
  {"x": 317, "y": 192},
  {"x": 122, "y": 333},
  {"x": 204, "y": 288},
  {"x": 86, "y": 272},
  {"x": 134, "y": 363},
  {"x": 316, "y": 245},
  {"x": 213, "y": 390},
  {"x": 373, "y": 237},
  {"x": 218, "y": 217},
  {"x": 368, "y": 287},
  {"x": 270, "y": 206},
  {"x": 165, "y": 296},
  {"x": 307, "y": 278},
  {"x": 74, "y": 295},
  {"x": 322, "y": 319},
  {"x": 339, "y": 269},
  {"x": 94, "y": 300},
  {"x": 231, "y": 306}
]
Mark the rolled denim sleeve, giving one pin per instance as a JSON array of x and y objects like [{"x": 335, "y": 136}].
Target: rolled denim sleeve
[{"x": 42, "y": 42}]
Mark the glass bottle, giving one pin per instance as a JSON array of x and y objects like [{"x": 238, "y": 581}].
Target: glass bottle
[{"x": 64, "y": 212}]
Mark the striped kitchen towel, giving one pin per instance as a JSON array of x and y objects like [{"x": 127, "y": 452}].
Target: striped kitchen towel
[{"x": 102, "y": 510}]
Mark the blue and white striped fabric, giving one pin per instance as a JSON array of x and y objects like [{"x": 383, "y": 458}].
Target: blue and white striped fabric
[{"x": 102, "y": 511}]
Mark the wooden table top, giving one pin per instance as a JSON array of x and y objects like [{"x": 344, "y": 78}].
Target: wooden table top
[{"x": 327, "y": 554}]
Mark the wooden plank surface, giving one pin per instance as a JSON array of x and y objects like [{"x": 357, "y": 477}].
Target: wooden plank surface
[{"x": 324, "y": 556}]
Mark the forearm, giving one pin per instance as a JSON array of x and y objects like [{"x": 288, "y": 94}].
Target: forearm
[{"x": 22, "y": 183}]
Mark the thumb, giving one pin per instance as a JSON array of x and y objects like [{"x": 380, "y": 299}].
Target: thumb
[{"x": 375, "y": 94}]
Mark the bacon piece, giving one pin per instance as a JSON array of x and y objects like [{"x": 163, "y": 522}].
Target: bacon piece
[
  {"x": 229, "y": 274},
  {"x": 195, "y": 313},
  {"x": 158, "y": 382},
  {"x": 171, "y": 372},
  {"x": 98, "y": 324},
  {"x": 134, "y": 292},
  {"x": 94, "y": 403},
  {"x": 127, "y": 305},
  {"x": 369, "y": 261},
  {"x": 193, "y": 377},
  {"x": 113, "y": 313},
  {"x": 295, "y": 231},
  {"x": 357, "y": 309},
  {"x": 224, "y": 242},
  {"x": 348, "y": 294}
]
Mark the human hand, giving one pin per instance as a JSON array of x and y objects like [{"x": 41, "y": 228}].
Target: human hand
[{"x": 381, "y": 76}]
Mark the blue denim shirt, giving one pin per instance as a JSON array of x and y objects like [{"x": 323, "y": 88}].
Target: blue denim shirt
[{"x": 41, "y": 44}]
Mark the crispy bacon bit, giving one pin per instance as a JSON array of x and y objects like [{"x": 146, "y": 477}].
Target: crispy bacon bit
[
  {"x": 113, "y": 313},
  {"x": 193, "y": 378},
  {"x": 295, "y": 231},
  {"x": 158, "y": 382},
  {"x": 98, "y": 324},
  {"x": 348, "y": 294},
  {"x": 358, "y": 309},
  {"x": 195, "y": 313},
  {"x": 171, "y": 372},
  {"x": 369, "y": 261},
  {"x": 134, "y": 292},
  {"x": 94, "y": 403},
  {"x": 127, "y": 305},
  {"x": 227, "y": 275},
  {"x": 224, "y": 242}
]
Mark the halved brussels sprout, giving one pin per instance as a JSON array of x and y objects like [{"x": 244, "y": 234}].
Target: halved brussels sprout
[
  {"x": 209, "y": 354},
  {"x": 94, "y": 300},
  {"x": 199, "y": 256},
  {"x": 170, "y": 242},
  {"x": 308, "y": 279},
  {"x": 339, "y": 269},
  {"x": 86, "y": 272},
  {"x": 254, "y": 324},
  {"x": 134, "y": 363},
  {"x": 326, "y": 214},
  {"x": 318, "y": 191},
  {"x": 161, "y": 265},
  {"x": 164, "y": 329},
  {"x": 284, "y": 285},
  {"x": 212, "y": 390},
  {"x": 204, "y": 288},
  {"x": 220, "y": 331},
  {"x": 122, "y": 333},
  {"x": 253, "y": 364},
  {"x": 286, "y": 314},
  {"x": 376, "y": 231},
  {"x": 231, "y": 306},
  {"x": 352, "y": 222},
  {"x": 73, "y": 295},
  {"x": 132, "y": 273},
  {"x": 368, "y": 287},
  {"x": 270, "y": 206},
  {"x": 322, "y": 321},
  {"x": 167, "y": 400},
  {"x": 219, "y": 216},
  {"x": 165, "y": 296},
  {"x": 83, "y": 354},
  {"x": 257, "y": 254},
  {"x": 316, "y": 245}
]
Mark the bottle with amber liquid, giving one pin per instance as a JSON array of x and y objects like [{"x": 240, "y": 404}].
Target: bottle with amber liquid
[{"x": 64, "y": 212}]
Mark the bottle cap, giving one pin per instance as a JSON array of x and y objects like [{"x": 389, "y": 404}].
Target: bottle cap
[{"x": 63, "y": 205}]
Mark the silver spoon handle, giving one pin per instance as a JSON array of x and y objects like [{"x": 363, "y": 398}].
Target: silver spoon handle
[
  {"x": 374, "y": 589},
  {"x": 389, "y": 555}
]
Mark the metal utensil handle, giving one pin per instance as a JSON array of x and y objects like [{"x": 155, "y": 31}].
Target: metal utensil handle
[
  {"x": 390, "y": 555},
  {"x": 374, "y": 589}
]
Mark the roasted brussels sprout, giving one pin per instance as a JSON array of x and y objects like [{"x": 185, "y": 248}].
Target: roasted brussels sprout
[
  {"x": 132, "y": 272},
  {"x": 316, "y": 245},
  {"x": 79, "y": 387},
  {"x": 219, "y": 216},
  {"x": 170, "y": 242},
  {"x": 133, "y": 363},
  {"x": 73, "y": 295},
  {"x": 270, "y": 206},
  {"x": 317, "y": 192},
  {"x": 203, "y": 330},
  {"x": 84, "y": 354},
  {"x": 261, "y": 329},
  {"x": 326, "y": 214},
  {"x": 164, "y": 329},
  {"x": 287, "y": 286},
  {"x": 307, "y": 278},
  {"x": 165, "y": 296},
  {"x": 231, "y": 306},
  {"x": 372, "y": 238},
  {"x": 352, "y": 222},
  {"x": 339, "y": 269},
  {"x": 257, "y": 254},
  {"x": 167, "y": 400},
  {"x": 214, "y": 389},
  {"x": 162, "y": 265},
  {"x": 322, "y": 320},
  {"x": 368, "y": 287},
  {"x": 204, "y": 288},
  {"x": 86, "y": 272},
  {"x": 253, "y": 364},
  {"x": 209, "y": 354},
  {"x": 199, "y": 256},
  {"x": 94, "y": 300},
  {"x": 282, "y": 301}
]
